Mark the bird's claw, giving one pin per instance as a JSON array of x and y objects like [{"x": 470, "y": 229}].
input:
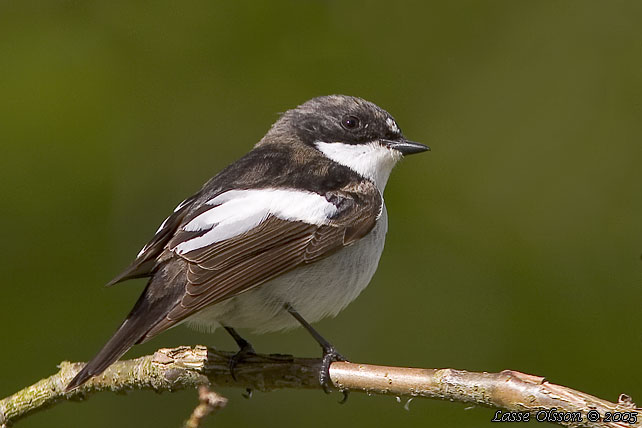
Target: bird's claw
[
  {"x": 330, "y": 355},
  {"x": 245, "y": 351}
]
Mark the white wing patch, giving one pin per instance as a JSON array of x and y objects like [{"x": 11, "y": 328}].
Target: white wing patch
[
  {"x": 142, "y": 251},
  {"x": 181, "y": 205},
  {"x": 162, "y": 226},
  {"x": 238, "y": 211}
]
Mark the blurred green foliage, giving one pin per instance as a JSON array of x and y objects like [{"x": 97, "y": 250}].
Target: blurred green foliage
[{"x": 515, "y": 243}]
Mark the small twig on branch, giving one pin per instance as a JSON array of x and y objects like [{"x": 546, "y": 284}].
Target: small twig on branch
[
  {"x": 210, "y": 402},
  {"x": 185, "y": 367}
]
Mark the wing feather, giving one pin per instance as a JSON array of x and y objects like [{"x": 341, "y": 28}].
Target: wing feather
[
  {"x": 147, "y": 260},
  {"x": 233, "y": 266},
  {"x": 272, "y": 232}
]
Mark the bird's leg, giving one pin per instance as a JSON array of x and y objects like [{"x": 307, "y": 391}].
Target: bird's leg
[
  {"x": 330, "y": 353},
  {"x": 245, "y": 350}
]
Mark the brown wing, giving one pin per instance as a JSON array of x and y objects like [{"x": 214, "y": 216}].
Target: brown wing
[{"x": 233, "y": 266}]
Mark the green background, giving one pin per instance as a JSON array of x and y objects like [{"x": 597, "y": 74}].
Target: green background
[{"x": 514, "y": 244}]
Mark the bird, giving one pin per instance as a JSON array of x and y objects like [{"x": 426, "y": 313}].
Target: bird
[{"x": 285, "y": 236}]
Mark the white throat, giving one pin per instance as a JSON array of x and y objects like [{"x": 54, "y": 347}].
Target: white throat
[{"x": 372, "y": 160}]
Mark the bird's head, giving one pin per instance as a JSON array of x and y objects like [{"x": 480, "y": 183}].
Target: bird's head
[{"x": 351, "y": 131}]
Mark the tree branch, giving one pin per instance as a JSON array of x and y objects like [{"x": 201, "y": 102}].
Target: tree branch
[{"x": 185, "y": 367}]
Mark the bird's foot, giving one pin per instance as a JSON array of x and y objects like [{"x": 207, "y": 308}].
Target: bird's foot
[
  {"x": 330, "y": 355},
  {"x": 246, "y": 351}
]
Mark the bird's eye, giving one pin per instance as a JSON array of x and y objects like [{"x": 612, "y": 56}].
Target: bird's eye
[{"x": 350, "y": 122}]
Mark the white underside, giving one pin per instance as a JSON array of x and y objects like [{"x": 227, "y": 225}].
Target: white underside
[{"x": 316, "y": 291}]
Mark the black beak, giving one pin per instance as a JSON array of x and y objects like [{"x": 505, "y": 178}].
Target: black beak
[{"x": 406, "y": 147}]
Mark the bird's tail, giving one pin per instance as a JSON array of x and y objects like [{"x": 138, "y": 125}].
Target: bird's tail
[{"x": 152, "y": 306}]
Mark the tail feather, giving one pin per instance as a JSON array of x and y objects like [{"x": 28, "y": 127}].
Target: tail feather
[{"x": 156, "y": 301}]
